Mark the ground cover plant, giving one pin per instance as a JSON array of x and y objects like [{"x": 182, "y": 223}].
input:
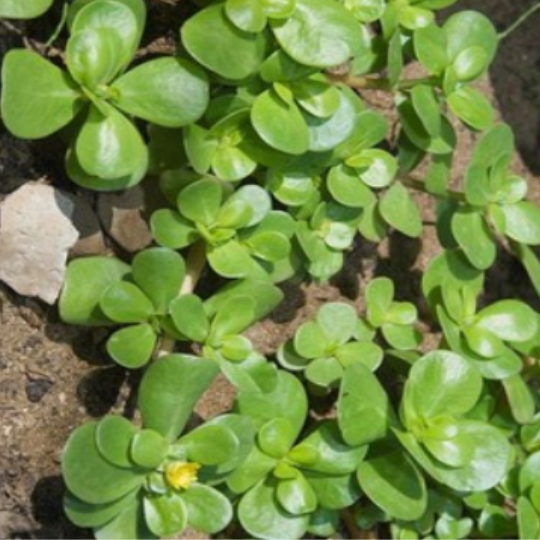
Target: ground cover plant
[{"x": 273, "y": 165}]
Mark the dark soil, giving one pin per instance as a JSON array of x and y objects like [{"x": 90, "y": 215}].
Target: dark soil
[{"x": 54, "y": 377}]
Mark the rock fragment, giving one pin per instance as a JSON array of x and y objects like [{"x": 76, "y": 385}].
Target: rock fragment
[{"x": 36, "y": 234}]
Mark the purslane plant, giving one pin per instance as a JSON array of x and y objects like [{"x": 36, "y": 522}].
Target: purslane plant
[{"x": 260, "y": 135}]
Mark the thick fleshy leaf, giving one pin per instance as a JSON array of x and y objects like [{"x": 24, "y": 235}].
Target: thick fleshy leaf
[
  {"x": 470, "y": 63},
  {"x": 128, "y": 524},
  {"x": 334, "y": 492},
  {"x": 296, "y": 495},
  {"x": 166, "y": 514},
  {"x": 269, "y": 246},
  {"x": 317, "y": 97},
  {"x": 256, "y": 198},
  {"x": 527, "y": 519},
  {"x": 522, "y": 222},
  {"x": 231, "y": 260},
  {"x": 510, "y": 320},
  {"x": 474, "y": 237},
  {"x": 327, "y": 133},
  {"x": 324, "y": 372},
  {"x": 86, "y": 280},
  {"x": 427, "y": 107},
  {"x": 169, "y": 92},
  {"x": 124, "y": 18},
  {"x": 318, "y": 33},
  {"x": 209, "y": 444},
  {"x": 83, "y": 514},
  {"x": 200, "y": 202},
  {"x": 347, "y": 188},
  {"x": 94, "y": 56},
  {"x": 430, "y": 45},
  {"x": 172, "y": 230},
  {"x": 247, "y": 15},
  {"x": 148, "y": 448},
  {"x": 170, "y": 267},
  {"x": 442, "y": 383},
  {"x": 376, "y": 168},
  {"x": 234, "y": 54},
  {"x": 394, "y": 484},
  {"x": 234, "y": 316},
  {"x": 113, "y": 437},
  {"x": 124, "y": 302},
  {"x": 132, "y": 347},
  {"x": 279, "y": 124},
  {"x": 15, "y": 9},
  {"x": 169, "y": 390},
  {"x": 189, "y": 317},
  {"x": 262, "y": 516},
  {"x": 108, "y": 146},
  {"x": 335, "y": 456},
  {"x": 399, "y": 210},
  {"x": 472, "y": 107},
  {"x": 276, "y": 437},
  {"x": 520, "y": 399},
  {"x": 37, "y": 97},
  {"x": 208, "y": 510},
  {"x": 363, "y": 406},
  {"x": 89, "y": 476},
  {"x": 288, "y": 400},
  {"x": 337, "y": 322}
]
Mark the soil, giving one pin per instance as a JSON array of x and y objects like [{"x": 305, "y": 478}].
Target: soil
[{"x": 54, "y": 377}]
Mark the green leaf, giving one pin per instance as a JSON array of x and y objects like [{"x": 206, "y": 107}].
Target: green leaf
[
  {"x": 129, "y": 523},
  {"x": 335, "y": 456},
  {"x": 169, "y": 390},
  {"x": 263, "y": 517},
  {"x": 367, "y": 353},
  {"x": 448, "y": 528},
  {"x": 86, "y": 280},
  {"x": 113, "y": 437},
  {"x": 88, "y": 475},
  {"x": 209, "y": 444},
  {"x": 172, "y": 230},
  {"x": 253, "y": 469},
  {"x": 400, "y": 211},
  {"x": 231, "y": 260},
  {"x": 148, "y": 448},
  {"x": 324, "y": 372},
  {"x": 37, "y": 97},
  {"x": 108, "y": 146},
  {"x": 474, "y": 237},
  {"x": 334, "y": 492},
  {"x": 527, "y": 519},
  {"x": 427, "y": 107},
  {"x": 346, "y": 187},
  {"x": 470, "y": 63},
  {"x": 394, "y": 484},
  {"x": 470, "y": 29},
  {"x": 337, "y": 322},
  {"x": 413, "y": 17},
  {"x": 363, "y": 406},
  {"x": 522, "y": 222},
  {"x": 200, "y": 202},
  {"x": 94, "y": 56},
  {"x": 317, "y": 97},
  {"x": 327, "y": 133},
  {"x": 124, "y": 302},
  {"x": 430, "y": 46},
  {"x": 234, "y": 54},
  {"x": 166, "y": 514},
  {"x": 510, "y": 320},
  {"x": 247, "y": 15},
  {"x": 83, "y": 514},
  {"x": 269, "y": 246},
  {"x": 379, "y": 294},
  {"x": 287, "y": 400},
  {"x": 189, "y": 317},
  {"x": 208, "y": 510},
  {"x": 170, "y": 267},
  {"x": 234, "y": 316},
  {"x": 310, "y": 341},
  {"x": 366, "y": 10},
  {"x": 377, "y": 168},
  {"x": 442, "y": 383},
  {"x": 279, "y": 124},
  {"x": 471, "y": 106},
  {"x": 126, "y": 19},
  {"x": 132, "y": 347},
  {"x": 169, "y": 92},
  {"x": 276, "y": 437},
  {"x": 296, "y": 496},
  {"x": 15, "y": 9},
  {"x": 319, "y": 33}
]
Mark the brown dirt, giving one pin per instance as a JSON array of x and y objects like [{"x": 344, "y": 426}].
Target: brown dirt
[{"x": 54, "y": 377}]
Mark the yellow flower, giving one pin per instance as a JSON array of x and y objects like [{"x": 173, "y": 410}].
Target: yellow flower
[{"x": 180, "y": 474}]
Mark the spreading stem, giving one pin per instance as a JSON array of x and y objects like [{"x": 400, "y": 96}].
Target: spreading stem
[
  {"x": 419, "y": 185},
  {"x": 195, "y": 263},
  {"x": 519, "y": 21}
]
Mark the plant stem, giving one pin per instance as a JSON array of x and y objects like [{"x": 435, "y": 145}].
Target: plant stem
[
  {"x": 418, "y": 185},
  {"x": 519, "y": 21},
  {"x": 195, "y": 263},
  {"x": 353, "y": 529},
  {"x": 370, "y": 82}
]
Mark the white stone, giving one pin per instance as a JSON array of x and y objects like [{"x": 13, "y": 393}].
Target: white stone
[{"x": 36, "y": 234}]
